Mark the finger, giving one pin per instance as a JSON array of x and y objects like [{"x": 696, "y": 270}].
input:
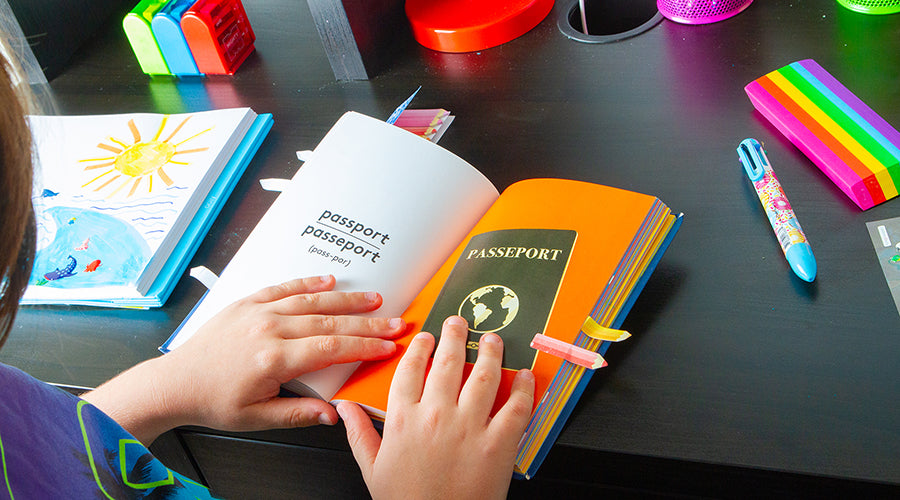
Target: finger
[
  {"x": 445, "y": 377},
  {"x": 327, "y": 302},
  {"x": 293, "y": 287},
  {"x": 511, "y": 420},
  {"x": 362, "y": 436},
  {"x": 286, "y": 413},
  {"x": 314, "y": 353},
  {"x": 295, "y": 327},
  {"x": 409, "y": 377},
  {"x": 480, "y": 389}
]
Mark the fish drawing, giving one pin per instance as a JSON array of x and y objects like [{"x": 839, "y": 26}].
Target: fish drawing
[
  {"x": 46, "y": 193},
  {"x": 83, "y": 246},
  {"x": 92, "y": 266},
  {"x": 64, "y": 272}
]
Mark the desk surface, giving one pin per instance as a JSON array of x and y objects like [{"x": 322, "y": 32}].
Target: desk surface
[{"x": 734, "y": 361}]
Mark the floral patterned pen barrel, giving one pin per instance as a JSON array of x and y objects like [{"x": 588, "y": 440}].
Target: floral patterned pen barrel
[{"x": 790, "y": 236}]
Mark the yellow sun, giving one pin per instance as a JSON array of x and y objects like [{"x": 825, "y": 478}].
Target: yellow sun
[{"x": 142, "y": 159}]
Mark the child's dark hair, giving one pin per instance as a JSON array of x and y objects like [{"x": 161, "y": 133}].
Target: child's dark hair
[{"x": 17, "y": 224}]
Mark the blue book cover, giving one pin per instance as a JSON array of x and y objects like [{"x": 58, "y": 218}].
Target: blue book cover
[{"x": 218, "y": 195}]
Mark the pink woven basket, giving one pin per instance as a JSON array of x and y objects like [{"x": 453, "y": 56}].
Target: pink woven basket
[{"x": 700, "y": 11}]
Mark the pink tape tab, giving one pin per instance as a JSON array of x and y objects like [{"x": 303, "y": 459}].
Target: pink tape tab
[{"x": 572, "y": 353}]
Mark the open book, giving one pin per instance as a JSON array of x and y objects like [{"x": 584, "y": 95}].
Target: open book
[
  {"x": 123, "y": 201},
  {"x": 384, "y": 210}
]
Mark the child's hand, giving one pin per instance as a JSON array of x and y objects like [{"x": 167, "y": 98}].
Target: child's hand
[
  {"x": 440, "y": 441},
  {"x": 228, "y": 375}
]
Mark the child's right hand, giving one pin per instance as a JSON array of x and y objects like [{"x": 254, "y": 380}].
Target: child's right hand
[{"x": 440, "y": 441}]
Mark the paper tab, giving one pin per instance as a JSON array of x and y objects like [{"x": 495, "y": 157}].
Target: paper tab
[
  {"x": 204, "y": 275},
  {"x": 595, "y": 331},
  {"x": 574, "y": 354},
  {"x": 304, "y": 155},
  {"x": 277, "y": 185}
]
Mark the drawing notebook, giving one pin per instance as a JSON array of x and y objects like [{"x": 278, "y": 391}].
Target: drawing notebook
[
  {"x": 123, "y": 201},
  {"x": 383, "y": 210}
]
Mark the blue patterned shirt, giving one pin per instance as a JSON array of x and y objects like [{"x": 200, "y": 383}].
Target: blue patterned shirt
[{"x": 55, "y": 445}]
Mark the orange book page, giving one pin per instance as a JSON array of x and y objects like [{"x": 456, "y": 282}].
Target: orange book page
[{"x": 606, "y": 220}]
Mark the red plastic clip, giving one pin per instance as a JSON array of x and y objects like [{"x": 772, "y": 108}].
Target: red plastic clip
[{"x": 219, "y": 35}]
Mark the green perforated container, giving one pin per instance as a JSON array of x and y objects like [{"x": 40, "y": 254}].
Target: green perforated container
[{"x": 872, "y": 6}]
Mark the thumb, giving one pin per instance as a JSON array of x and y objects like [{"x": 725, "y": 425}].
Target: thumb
[{"x": 362, "y": 436}]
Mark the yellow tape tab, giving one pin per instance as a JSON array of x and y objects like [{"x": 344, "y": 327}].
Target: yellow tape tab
[{"x": 595, "y": 331}]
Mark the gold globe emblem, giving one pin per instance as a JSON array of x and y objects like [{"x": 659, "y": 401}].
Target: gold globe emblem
[{"x": 490, "y": 308}]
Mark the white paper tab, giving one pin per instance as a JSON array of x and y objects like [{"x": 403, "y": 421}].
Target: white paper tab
[
  {"x": 204, "y": 275},
  {"x": 277, "y": 185}
]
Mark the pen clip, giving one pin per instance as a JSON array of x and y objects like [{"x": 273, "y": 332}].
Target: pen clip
[{"x": 753, "y": 158}]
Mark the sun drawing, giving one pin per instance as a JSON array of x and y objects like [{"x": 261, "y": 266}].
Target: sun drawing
[{"x": 142, "y": 159}]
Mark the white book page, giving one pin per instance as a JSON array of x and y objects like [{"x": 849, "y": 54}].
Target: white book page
[{"x": 376, "y": 206}]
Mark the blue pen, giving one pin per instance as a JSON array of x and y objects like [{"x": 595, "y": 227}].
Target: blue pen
[
  {"x": 402, "y": 107},
  {"x": 790, "y": 236}
]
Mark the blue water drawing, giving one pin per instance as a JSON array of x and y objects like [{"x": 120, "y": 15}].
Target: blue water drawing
[{"x": 120, "y": 247}]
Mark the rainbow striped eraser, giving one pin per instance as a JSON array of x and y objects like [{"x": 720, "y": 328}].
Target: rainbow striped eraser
[{"x": 854, "y": 146}]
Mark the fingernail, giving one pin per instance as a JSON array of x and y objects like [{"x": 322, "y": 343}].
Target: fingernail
[
  {"x": 490, "y": 338},
  {"x": 387, "y": 345},
  {"x": 526, "y": 375},
  {"x": 395, "y": 323},
  {"x": 372, "y": 296},
  {"x": 324, "y": 278},
  {"x": 326, "y": 419},
  {"x": 456, "y": 321}
]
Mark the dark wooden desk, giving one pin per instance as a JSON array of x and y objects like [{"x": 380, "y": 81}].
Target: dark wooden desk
[{"x": 740, "y": 379}]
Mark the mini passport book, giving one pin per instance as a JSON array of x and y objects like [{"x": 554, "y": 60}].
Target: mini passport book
[
  {"x": 123, "y": 201},
  {"x": 383, "y": 210},
  {"x": 853, "y": 145}
]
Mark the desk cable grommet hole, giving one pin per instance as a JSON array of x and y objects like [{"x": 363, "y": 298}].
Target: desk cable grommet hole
[{"x": 608, "y": 20}]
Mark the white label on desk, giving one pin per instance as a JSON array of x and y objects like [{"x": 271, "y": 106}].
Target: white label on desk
[{"x": 885, "y": 239}]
